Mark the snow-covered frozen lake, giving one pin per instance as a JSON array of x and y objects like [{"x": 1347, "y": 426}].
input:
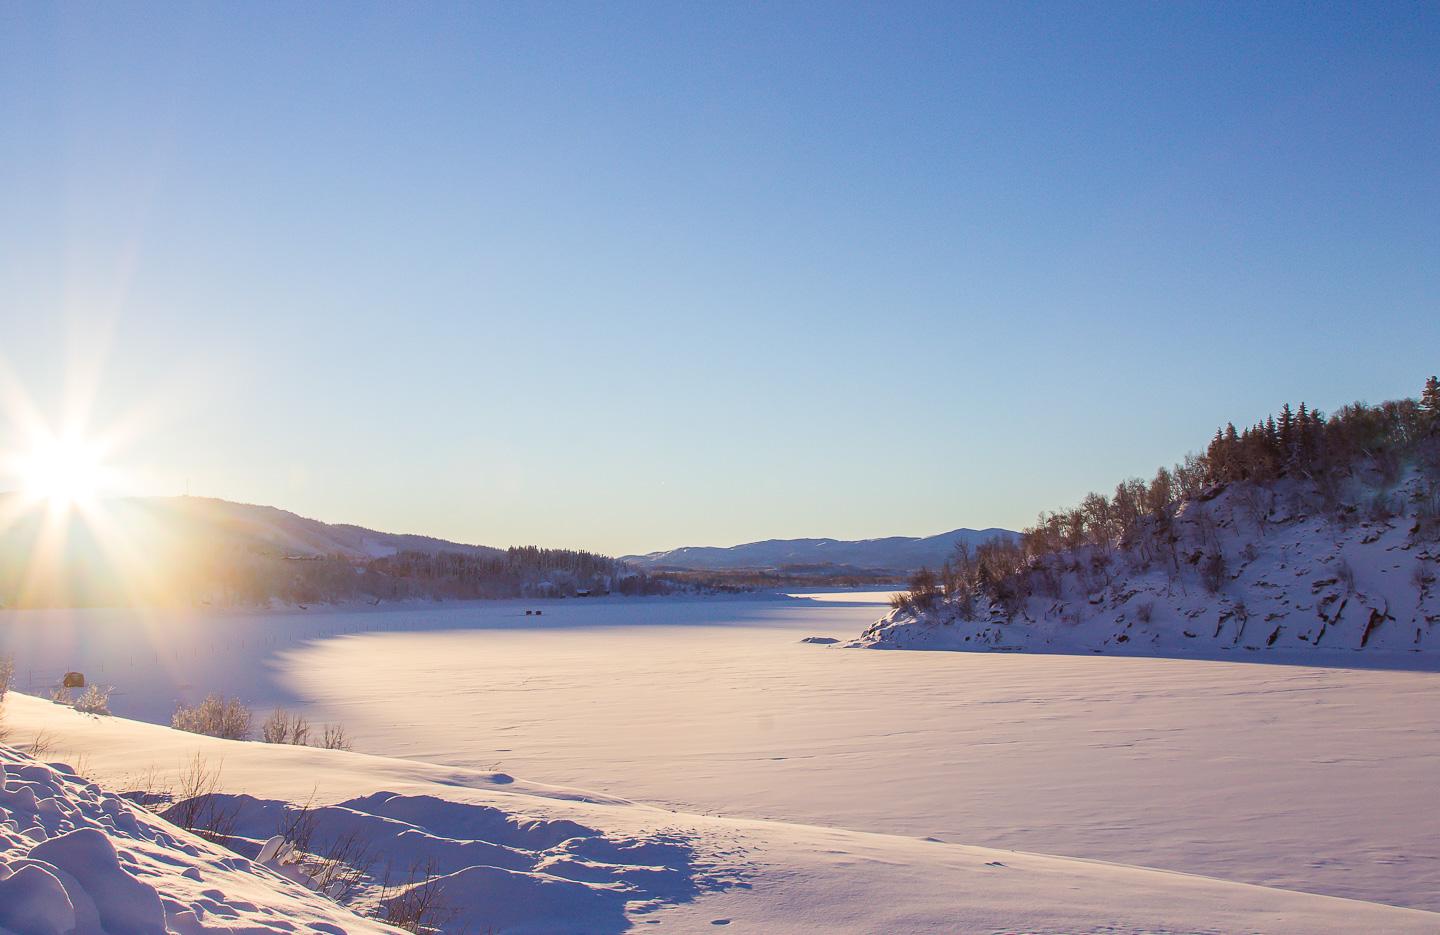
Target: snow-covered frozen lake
[{"x": 1313, "y": 779}]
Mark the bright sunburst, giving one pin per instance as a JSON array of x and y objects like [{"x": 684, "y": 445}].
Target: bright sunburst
[{"x": 63, "y": 472}]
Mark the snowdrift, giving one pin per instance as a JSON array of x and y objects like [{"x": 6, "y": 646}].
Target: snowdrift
[
  {"x": 77, "y": 859},
  {"x": 475, "y": 865}
]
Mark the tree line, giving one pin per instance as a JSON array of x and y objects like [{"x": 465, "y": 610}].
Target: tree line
[
  {"x": 1302, "y": 444},
  {"x": 520, "y": 571}
]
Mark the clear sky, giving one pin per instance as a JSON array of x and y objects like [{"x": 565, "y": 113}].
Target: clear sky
[{"x": 635, "y": 276}]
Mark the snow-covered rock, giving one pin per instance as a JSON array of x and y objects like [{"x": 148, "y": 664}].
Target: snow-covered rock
[{"x": 1289, "y": 577}]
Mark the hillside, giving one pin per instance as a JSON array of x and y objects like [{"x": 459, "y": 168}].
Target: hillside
[
  {"x": 1292, "y": 579},
  {"x": 897, "y": 554},
  {"x": 236, "y": 525},
  {"x": 166, "y": 551},
  {"x": 1299, "y": 537}
]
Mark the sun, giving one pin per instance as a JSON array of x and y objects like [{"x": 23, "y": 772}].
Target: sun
[{"x": 63, "y": 472}]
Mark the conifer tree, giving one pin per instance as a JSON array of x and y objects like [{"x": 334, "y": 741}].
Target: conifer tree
[
  {"x": 1301, "y": 431},
  {"x": 1430, "y": 398},
  {"x": 1287, "y": 434}
]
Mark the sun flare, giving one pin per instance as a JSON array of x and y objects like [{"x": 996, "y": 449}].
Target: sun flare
[{"x": 63, "y": 472}]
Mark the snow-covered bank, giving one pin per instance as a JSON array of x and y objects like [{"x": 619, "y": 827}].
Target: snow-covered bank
[
  {"x": 77, "y": 858},
  {"x": 676, "y": 872},
  {"x": 1256, "y": 570}
]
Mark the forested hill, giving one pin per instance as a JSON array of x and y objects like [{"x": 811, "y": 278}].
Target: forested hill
[
  {"x": 895, "y": 554},
  {"x": 200, "y": 551},
  {"x": 1304, "y": 533}
]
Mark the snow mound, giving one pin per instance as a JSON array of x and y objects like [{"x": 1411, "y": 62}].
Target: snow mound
[
  {"x": 488, "y": 869},
  {"x": 76, "y": 859},
  {"x": 1287, "y": 579}
]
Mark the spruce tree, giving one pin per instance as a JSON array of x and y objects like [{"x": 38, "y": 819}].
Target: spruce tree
[
  {"x": 1430, "y": 397},
  {"x": 1301, "y": 455},
  {"x": 1287, "y": 434}
]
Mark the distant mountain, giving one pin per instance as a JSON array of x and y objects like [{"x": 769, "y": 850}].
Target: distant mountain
[{"x": 900, "y": 554}]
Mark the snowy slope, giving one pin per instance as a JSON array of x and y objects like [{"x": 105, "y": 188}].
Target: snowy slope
[
  {"x": 1295, "y": 582},
  {"x": 520, "y": 857},
  {"x": 894, "y": 553},
  {"x": 76, "y": 858}
]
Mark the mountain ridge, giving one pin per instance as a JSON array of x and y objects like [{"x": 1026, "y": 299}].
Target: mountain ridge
[{"x": 887, "y": 553}]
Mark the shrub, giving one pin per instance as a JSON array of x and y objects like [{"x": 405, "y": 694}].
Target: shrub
[
  {"x": 199, "y": 805},
  {"x": 1212, "y": 571},
  {"x": 283, "y": 727},
  {"x": 1345, "y": 575},
  {"x": 94, "y": 700},
  {"x": 1427, "y": 514},
  {"x": 1144, "y": 611},
  {"x": 335, "y": 737},
  {"x": 216, "y": 716},
  {"x": 417, "y": 902},
  {"x": 1379, "y": 509},
  {"x": 924, "y": 589},
  {"x": 7, "y": 675}
]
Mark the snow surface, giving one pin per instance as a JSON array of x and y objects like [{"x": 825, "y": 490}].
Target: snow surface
[
  {"x": 1311, "y": 778},
  {"x": 526, "y": 854},
  {"x": 76, "y": 858},
  {"x": 794, "y": 785}
]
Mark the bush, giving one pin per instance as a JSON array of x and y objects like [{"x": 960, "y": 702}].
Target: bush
[
  {"x": 416, "y": 903},
  {"x": 94, "y": 700},
  {"x": 7, "y": 675},
  {"x": 924, "y": 590},
  {"x": 1345, "y": 575},
  {"x": 1212, "y": 571},
  {"x": 283, "y": 727},
  {"x": 335, "y": 737},
  {"x": 216, "y": 716},
  {"x": 199, "y": 806}
]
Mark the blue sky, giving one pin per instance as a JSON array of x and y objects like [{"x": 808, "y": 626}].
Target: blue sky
[{"x": 635, "y": 276}]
